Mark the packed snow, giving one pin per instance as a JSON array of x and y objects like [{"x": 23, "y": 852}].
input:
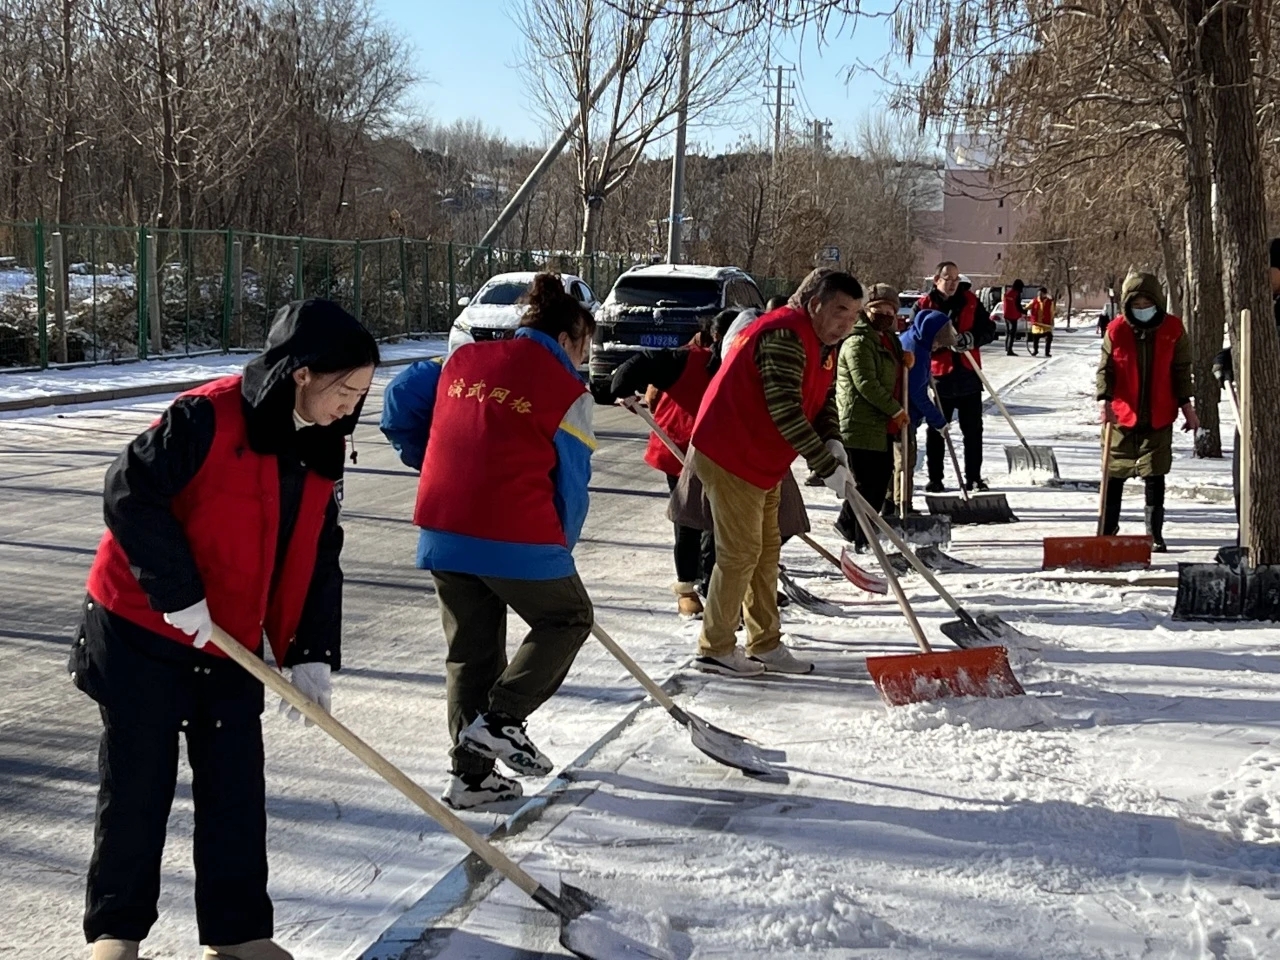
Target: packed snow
[{"x": 1127, "y": 807}]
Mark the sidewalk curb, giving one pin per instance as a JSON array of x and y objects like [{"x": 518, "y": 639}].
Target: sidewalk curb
[{"x": 143, "y": 390}]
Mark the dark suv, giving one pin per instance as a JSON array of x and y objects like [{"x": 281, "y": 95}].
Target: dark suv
[{"x": 659, "y": 307}]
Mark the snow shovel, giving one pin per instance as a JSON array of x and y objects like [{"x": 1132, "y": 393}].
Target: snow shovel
[
  {"x": 916, "y": 678},
  {"x": 977, "y": 508},
  {"x": 720, "y": 745},
  {"x": 968, "y": 632},
  {"x": 799, "y": 595},
  {"x": 1098, "y": 552},
  {"x": 855, "y": 574},
  {"x": 933, "y": 530},
  {"x": 1026, "y": 458},
  {"x": 585, "y": 927}
]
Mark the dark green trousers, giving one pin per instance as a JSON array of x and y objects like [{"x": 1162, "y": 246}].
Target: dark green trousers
[{"x": 480, "y": 679}]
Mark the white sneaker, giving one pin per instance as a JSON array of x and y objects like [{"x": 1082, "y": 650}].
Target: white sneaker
[
  {"x": 504, "y": 738},
  {"x": 733, "y": 664},
  {"x": 494, "y": 788},
  {"x": 782, "y": 660}
]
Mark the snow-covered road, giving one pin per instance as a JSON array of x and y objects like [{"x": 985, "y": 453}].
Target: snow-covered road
[{"x": 1127, "y": 807}]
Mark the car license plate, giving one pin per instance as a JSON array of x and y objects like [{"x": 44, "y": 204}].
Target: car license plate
[{"x": 660, "y": 339}]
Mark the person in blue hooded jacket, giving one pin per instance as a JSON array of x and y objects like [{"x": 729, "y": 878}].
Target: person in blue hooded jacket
[
  {"x": 407, "y": 406},
  {"x": 930, "y": 330}
]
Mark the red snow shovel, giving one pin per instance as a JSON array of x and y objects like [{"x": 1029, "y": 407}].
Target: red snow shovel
[
  {"x": 917, "y": 678},
  {"x": 853, "y": 573},
  {"x": 586, "y": 928},
  {"x": 1098, "y": 552}
]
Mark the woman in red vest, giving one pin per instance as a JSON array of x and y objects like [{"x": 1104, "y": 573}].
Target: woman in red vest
[
  {"x": 679, "y": 378},
  {"x": 1144, "y": 378},
  {"x": 501, "y": 503},
  {"x": 224, "y": 512}
]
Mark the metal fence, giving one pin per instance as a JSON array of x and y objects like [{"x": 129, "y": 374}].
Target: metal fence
[{"x": 73, "y": 294}]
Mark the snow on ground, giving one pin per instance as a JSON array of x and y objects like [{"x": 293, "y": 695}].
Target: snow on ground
[
  {"x": 1126, "y": 807},
  {"x": 161, "y": 371}
]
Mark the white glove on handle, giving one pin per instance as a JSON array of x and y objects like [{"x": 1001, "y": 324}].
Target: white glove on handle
[
  {"x": 838, "y": 451},
  {"x": 194, "y": 621},
  {"x": 316, "y": 683},
  {"x": 839, "y": 481}
]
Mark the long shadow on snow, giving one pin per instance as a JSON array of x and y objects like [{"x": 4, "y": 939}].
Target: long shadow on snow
[{"x": 1095, "y": 839}]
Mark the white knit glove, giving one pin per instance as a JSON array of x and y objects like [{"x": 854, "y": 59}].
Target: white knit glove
[
  {"x": 194, "y": 621},
  {"x": 839, "y": 482},
  {"x": 314, "y": 681},
  {"x": 837, "y": 450}
]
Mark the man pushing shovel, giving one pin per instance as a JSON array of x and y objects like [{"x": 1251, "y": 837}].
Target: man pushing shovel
[{"x": 770, "y": 401}]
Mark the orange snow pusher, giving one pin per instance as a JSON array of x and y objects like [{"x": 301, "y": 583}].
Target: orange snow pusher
[
  {"x": 1098, "y": 552},
  {"x": 928, "y": 675}
]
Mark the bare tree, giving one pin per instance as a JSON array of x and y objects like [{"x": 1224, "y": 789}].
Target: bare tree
[{"x": 571, "y": 46}]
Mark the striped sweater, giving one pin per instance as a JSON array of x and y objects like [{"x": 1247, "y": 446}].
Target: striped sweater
[{"x": 780, "y": 358}]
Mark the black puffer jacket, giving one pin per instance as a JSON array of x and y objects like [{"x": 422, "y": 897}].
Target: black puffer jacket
[{"x": 155, "y": 467}]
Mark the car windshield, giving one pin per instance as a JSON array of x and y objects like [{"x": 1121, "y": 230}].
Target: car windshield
[
  {"x": 502, "y": 294},
  {"x": 679, "y": 292}
]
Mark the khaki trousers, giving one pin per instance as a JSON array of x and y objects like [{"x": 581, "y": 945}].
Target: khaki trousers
[{"x": 745, "y": 578}]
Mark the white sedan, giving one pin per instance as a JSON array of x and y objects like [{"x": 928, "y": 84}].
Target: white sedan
[{"x": 495, "y": 311}]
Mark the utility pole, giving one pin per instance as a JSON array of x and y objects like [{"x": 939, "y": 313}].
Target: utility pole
[
  {"x": 777, "y": 117},
  {"x": 675, "y": 222}
]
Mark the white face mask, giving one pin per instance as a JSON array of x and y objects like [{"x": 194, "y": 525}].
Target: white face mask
[{"x": 1144, "y": 314}]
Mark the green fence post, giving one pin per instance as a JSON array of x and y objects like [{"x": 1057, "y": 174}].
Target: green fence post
[
  {"x": 299, "y": 291},
  {"x": 226, "y": 290},
  {"x": 42, "y": 307},
  {"x": 488, "y": 255},
  {"x": 356, "y": 282},
  {"x": 140, "y": 285},
  {"x": 404, "y": 284},
  {"x": 453, "y": 284},
  {"x": 593, "y": 272}
]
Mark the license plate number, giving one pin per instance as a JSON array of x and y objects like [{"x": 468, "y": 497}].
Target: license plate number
[{"x": 660, "y": 340}]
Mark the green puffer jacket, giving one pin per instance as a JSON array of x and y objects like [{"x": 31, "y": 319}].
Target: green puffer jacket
[{"x": 865, "y": 375}]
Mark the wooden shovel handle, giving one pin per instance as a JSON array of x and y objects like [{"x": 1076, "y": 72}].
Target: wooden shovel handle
[
  {"x": 1102, "y": 487},
  {"x": 437, "y": 811},
  {"x": 973, "y": 362},
  {"x": 651, "y": 687},
  {"x": 862, "y": 510}
]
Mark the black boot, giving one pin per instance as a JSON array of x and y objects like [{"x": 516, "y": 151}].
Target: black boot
[
  {"x": 1155, "y": 528},
  {"x": 1111, "y": 514}
]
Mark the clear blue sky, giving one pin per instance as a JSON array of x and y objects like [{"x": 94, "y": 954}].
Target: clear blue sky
[{"x": 468, "y": 49}]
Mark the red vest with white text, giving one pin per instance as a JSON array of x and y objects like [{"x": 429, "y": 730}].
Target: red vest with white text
[{"x": 676, "y": 410}]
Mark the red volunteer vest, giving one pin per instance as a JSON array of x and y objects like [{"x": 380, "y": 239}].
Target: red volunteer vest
[
  {"x": 733, "y": 427},
  {"x": 230, "y": 513},
  {"x": 676, "y": 410},
  {"x": 1042, "y": 312},
  {"x": 491, "y": 454},
  {"x": 1013, "y": 305},
  {"x": 1127, "y": 392},
  {"x": 943, "y": 361}
]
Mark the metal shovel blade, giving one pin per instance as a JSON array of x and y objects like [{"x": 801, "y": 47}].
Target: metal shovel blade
[
  {"x": 977, "y": 509},
  {"x": 799, "y": 595},
  {"x": 734, "y": 751},
  {"x": 943, "y": 562},
  {"x": 934, "y": 530},
  {"x": 986, "y": 630},
  {"x": 1215, "y": 591},
  {"x": 591, "y": 929},
  {"x": 1032, "y": 459}
]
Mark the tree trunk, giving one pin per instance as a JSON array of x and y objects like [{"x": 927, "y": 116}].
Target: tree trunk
[
  {"x": 1241, "y": 233},
  {"x": 591, "y": 210},
  {"x": 1169, "y": 264}
]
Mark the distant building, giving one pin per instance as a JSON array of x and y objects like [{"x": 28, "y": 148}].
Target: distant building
[{"x": 969, "y": 219}]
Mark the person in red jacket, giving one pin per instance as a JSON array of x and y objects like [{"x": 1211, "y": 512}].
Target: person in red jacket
[
  {"x": 679, "y": 378},
  {"x": 959, "y": 388},
  {"x": 1144, "y": 379},
  {"x": 515, "y": 414},
  {"x": 1011, "y": 306},
  {"x": 224, "y": 512},
  {"x": 770, "y": 402}
]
